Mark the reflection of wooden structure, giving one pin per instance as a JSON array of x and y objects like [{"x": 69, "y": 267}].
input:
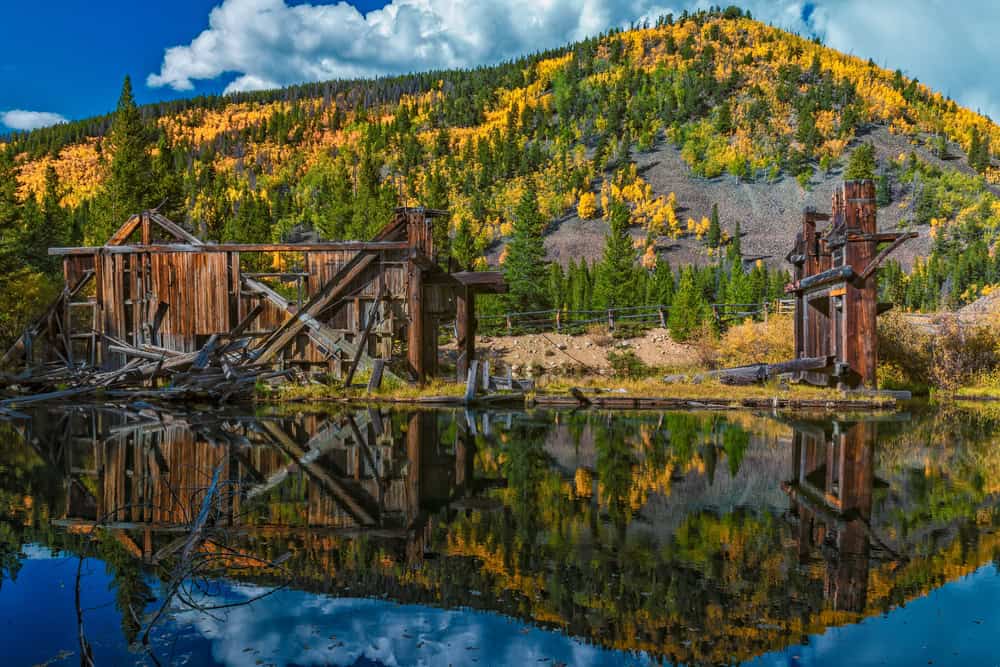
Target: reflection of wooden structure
[
  {"x": 310, "y": 476},
  {"x": 831, "y": 492},
  {"x": 835, "y": 285},
  {"x": 155, "y": 288}
]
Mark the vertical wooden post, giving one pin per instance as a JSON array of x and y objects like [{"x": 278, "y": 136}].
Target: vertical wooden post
[
  {"x": 465, "y": 323},
  {"x": 861, "y": 298},
  {"x": 486, "y": 375},
  {"x": 415, "y": 330},
  {"x": 470, "y": 381},
  {"x": 663, "y": 318},
  {"x": 611, "y": 320}
]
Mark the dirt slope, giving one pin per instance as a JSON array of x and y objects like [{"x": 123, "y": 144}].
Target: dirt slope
[{"x": 769, "y": 213}]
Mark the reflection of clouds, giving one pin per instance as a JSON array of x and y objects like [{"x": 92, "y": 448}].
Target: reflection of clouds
[
  {"x": 301, "y": 628},
  {"x": 39, "y": 552}
]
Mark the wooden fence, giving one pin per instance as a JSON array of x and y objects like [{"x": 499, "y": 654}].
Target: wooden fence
[{"x": 575, "y": 321}]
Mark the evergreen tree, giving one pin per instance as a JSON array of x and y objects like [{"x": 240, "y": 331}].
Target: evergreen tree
[
  {"x": 52, "y": 228},
  {"x": 661, "y": 292},
  {"x": 689, "y": 308},
  {"x": 130, "y": 187},
  {"x": 714, "y": 236},
  {"x": 557, "y": 286},
  {"x": 168, "y": 180},
  {"x": 975, "y": 149},
  {"x": 525, "y": 268},
  {"x": 735, "y": 253},
  {"x": 883, "y": 192},
  {"x": 861, "y": 165},
  {"x": 615, "y": 285},
  {"x": 463, "y": 246}
]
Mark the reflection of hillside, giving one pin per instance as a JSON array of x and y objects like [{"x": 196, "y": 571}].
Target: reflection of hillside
[{"x": 671, "y": 534}]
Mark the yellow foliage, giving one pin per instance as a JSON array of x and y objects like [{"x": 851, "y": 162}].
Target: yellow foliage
[
  {"x": 758, "y": 342},
  {"x": 587, "y": 208},
  {"x": 649, "y": 258}
]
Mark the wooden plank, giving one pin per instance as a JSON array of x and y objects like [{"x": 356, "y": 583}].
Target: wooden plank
[
  {"x": 360, "y": 344},
  {"x": 204, "y": 355},
  {"x": 319, "y": 473},
  {"x": 123, "y": 232},
  {"x": 172, "y": 227},
  {"x": 874, "y": 264},
  {"x": 375, "y": 381},
  {"x": 471, "y": 381},
  {"x": 311, "y": 310},
  {"x": 353, "y": 246}
]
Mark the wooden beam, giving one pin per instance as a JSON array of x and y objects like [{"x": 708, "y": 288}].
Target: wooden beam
[
  {"x": 319, "y": 473},
  {"x": 125, "y": 231},
  {"x": 172, "y": 227},
  {"x": 874, "y": 264},
  {"x": 347, "y": 246},
  {"x": 360, "y": 344}
]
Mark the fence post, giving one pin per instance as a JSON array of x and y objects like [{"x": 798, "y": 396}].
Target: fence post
[
  {"x": 509, "y": 327},
  {"x": 611, "y": 320},
  {"x": 558, "y": 323},
  {"x": 663, "y": 319},
  {"x": 765, "y": 312}
]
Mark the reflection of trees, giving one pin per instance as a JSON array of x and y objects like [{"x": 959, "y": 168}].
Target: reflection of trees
[
  {"x": 132, "y": 592},
  {"x": 576, "y": 544}
]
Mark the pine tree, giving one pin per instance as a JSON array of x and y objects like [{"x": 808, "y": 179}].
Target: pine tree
[
  {"x": 861, "y": 165},
  {"x": 689, "y": 309},
  {"x": 883, "y": 192},
  {"x": 463, "y": 245},
  {"x": 661, "y": 291},
  {"x": 525, "y": 268},
  {"x": 975, "y": 149},
  {"x": 735, "y": 253},
  {"x": 714, "y": 230},
  {"x": 130, "y": 187},
  {"x": 557, "y": 286},
  {"x": 169, "y": 183},
  {"x": 615, "y": 285}
]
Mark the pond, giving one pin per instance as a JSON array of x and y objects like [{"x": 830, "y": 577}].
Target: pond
[{"x": 130, "y": 534}]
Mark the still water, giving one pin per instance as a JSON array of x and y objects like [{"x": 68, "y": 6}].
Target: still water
[{"x": 386, "y": 537}]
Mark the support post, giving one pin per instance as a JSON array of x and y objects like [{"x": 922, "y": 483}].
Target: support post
[
  {"x": 415, "y": 330},
  {"x": 470, "y": 381},
  {"x": 465, "y": 322}
]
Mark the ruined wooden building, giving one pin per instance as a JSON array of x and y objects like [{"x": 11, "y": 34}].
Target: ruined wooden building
[
  {"x": 155, "y": 295},
  {"x": 836, "y": 287}
]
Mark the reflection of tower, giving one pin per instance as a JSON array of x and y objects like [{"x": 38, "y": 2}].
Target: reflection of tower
[
  {"x": 430, "y": 477},
  {"x": 831, "y": 493}
]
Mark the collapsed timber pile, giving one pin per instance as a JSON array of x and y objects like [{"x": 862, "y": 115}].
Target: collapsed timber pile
[{"x": 159, "y": 313}]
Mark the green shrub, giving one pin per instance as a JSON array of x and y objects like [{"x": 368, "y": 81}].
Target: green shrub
[{"x": 627, "y": 364}]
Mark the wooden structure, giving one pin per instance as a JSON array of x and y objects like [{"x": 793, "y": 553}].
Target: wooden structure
[
  {"x": 836, "y": 287},
  {"x": 156, "y": 289}
]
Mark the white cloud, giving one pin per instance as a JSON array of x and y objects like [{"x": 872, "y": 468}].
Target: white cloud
[
  {"x": 267, "y": 43},
  {"x": 950, "y": 46},
  {"x": 19, "y": 119}
]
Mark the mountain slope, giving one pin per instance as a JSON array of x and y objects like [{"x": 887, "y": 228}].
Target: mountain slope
[{"x": 713, "y": 107}]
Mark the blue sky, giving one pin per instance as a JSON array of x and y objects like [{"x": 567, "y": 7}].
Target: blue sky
[{"x": 67, "y": 59}]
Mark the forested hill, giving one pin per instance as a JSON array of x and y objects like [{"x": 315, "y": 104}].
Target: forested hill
[{"x": 683, "y": 127}]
